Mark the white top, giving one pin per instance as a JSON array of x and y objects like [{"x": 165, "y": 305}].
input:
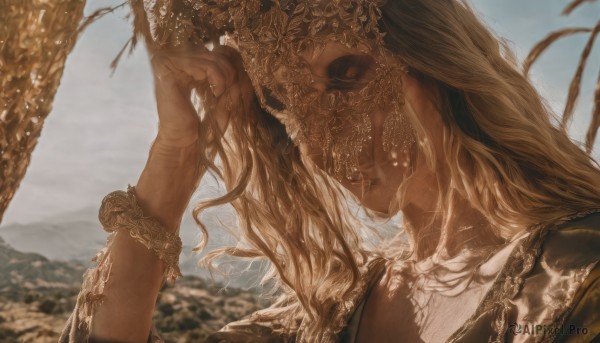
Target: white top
[{"x": 438, "y": 296}]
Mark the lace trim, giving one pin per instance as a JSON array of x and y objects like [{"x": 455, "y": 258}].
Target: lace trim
[
  {"x": 511, "y": 279},
  {"x": 92, "y": 289}
]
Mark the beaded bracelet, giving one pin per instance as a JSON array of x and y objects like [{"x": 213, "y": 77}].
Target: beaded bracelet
[{"x": 120, "y": 210}]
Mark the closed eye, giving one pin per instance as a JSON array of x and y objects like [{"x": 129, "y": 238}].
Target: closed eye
[{"x": 350, "y": 72}]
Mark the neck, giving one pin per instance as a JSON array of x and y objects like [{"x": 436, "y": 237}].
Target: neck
[{"x": 443, "y": 230}]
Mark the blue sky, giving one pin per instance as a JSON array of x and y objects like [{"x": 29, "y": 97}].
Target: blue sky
[{"x": 97, "y": 138}]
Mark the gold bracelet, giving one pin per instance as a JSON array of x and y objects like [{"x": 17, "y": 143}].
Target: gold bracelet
[{"x": 121, "y": 210}]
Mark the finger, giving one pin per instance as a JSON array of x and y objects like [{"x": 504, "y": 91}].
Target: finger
[
  {"x": 220, "y": 73},
  {"x": 208, "y": 67},
  {"x": 236, "y": 100}
]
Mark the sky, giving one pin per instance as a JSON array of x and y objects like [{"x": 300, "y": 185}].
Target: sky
[{"x": 97, "y": 137}]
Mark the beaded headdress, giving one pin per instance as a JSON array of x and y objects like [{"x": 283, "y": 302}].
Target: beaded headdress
[{"x": 272, "y": 36}]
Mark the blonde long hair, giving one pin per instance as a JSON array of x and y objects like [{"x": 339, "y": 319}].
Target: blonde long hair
[{"x": 501, "y": 152}]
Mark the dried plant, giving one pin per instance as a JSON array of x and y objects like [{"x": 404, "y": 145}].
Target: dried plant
[
  {"x": 573, "y": 5},
  {"x": 36, "y": 37},
  {"x": 541, "y": 46},
  {"x": 575, "y": 86},
  {"x": 595, "y": 124}
]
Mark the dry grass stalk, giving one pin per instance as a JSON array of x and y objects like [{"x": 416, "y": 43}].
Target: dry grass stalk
[
  {"x": 573, "y": 5},
  {"x": 575, "y": 86},
  {"x": 141, "y": 28},
  {"x": 540, "y": 47},
  {"x": 99, "y": 13},
  {"x": 595, "y": 122}
]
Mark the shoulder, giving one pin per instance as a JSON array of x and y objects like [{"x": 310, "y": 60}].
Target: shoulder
[
  {"x": 563, "y": 289},
  {"x": 583, "y": 321},
  {"x": 573, "y": 243},
  {"x": 581, "y": 240},
  {"x": 589, "y": 219},
  {"x": 568, "y": 254}
]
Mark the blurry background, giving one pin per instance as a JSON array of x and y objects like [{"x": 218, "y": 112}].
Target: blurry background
[
  {"x": 96, "y": 141},
  {"x": 97, "y": 137}
]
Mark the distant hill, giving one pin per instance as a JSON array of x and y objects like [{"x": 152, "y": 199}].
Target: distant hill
[
  {"x": 21, "y": 273},
  {"x": 75, "y": 235},
  {"x": 38, "y": 294},
  {"x": 78, "y": 236},
  {"x": 35, "y": 295}
]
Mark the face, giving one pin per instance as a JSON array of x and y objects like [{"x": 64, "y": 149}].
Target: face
[
  {"x": 379, "y": 166},
  {"x": 322, "y": 69}
]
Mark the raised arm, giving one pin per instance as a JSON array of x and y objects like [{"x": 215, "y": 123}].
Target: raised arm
[{"x": 133, "y": 273}]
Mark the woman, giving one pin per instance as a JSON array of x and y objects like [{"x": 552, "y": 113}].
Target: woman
[{"x": 406, "y": 106}]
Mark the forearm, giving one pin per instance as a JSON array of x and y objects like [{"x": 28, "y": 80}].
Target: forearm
[
  {"x": 136, "y": 275},
  {"x": 163, "y": 192},
  {"x": 168, "y": 180}
]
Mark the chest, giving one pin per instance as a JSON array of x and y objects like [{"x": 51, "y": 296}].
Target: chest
[{"x": 402, "y": 311}]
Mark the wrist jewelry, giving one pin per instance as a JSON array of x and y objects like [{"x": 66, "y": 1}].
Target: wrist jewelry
[{"x": 120, "y": 210}]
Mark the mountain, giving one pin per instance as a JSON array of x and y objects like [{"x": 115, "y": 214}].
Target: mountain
[
  {"x": 23, "y": 272},
  {"x": 74, "y": 235},
  {"x": 78, "y": 236},
  {"x": 37, "y": 295}
]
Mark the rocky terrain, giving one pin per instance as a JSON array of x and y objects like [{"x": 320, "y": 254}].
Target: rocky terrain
[
  {"x": 38, "y": 294},
  {"x": 38, "y": 290},
  {"x": 78, "y": 236}
]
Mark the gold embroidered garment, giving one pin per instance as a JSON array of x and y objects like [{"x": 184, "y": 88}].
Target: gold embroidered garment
[{"x": 549, "y": 280}]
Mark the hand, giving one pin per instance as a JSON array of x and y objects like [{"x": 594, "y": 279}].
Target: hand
[{"x": 177, "y": 74}]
